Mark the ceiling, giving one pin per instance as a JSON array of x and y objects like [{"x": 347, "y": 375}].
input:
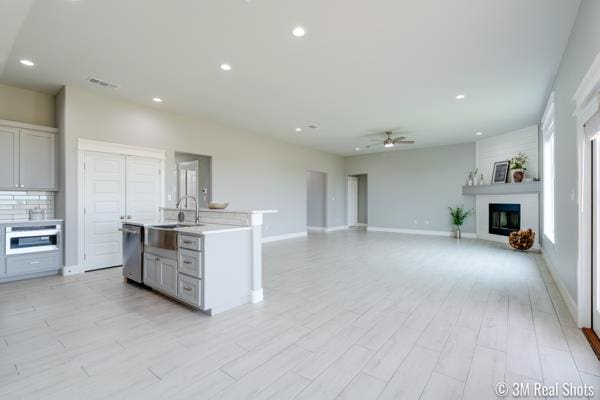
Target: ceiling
[{"x": 363, "y": 65}]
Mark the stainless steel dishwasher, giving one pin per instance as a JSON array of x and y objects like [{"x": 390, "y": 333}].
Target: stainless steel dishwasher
[{"x": 133, "y": 248}]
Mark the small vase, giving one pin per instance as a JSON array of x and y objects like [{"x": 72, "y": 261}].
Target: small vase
[
  {"x": 518, "y": 175},
  {"x": 470, "y": 183},
  {"x": 457, "y": 233}
]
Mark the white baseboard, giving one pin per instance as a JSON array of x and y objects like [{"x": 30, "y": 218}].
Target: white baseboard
[
  {"x": 257, "y": 296},
  {"x": 287, "y": 236},
  {"x": 569, "y": 301},
  {"x": 72, "y": 270},
  {"x": 326, "y": 229},
  {"x": 336, "y": 228},
  {"x": 466, "y": 235}
]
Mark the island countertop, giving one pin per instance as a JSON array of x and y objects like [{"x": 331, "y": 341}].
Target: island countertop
[{"x": 190, "y": 228}]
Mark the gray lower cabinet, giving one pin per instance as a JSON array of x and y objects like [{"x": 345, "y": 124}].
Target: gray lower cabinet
[
  {"x": 160, "y": 273},
  {"x": 190, "y": 290},
  {"x": 23, "y": 266}
]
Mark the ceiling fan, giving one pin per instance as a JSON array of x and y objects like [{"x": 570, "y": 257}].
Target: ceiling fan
[{"x": 389, "y": 141}]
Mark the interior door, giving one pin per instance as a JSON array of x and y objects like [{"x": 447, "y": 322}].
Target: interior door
[
  {"x": 143, "y": 188},
  {"x": 104, "y": 209},
  {"x": 352, "y": 201}
]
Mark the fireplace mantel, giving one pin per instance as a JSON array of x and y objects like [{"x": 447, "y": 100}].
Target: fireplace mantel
[{"x": 502, "y": 188}]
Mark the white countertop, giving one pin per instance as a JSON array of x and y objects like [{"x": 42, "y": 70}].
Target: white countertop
[
  {"x": 32, "y": 222},
  {"x": 227, "y": 210},
  {"x": 191, "y": 229}
]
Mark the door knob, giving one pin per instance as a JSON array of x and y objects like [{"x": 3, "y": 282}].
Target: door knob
[
  {"x": 129, "y": 217},
  {"x": 122, "y": 217}
]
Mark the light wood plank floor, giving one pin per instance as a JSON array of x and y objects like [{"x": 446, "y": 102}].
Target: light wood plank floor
[{"x": 348, "y": 315}]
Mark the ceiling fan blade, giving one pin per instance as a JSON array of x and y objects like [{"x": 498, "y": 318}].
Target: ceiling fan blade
[
  {"x": 377, "y": 140},
  {"x": 399, "y": 138},
  {"x": 370, "y": 146},
  {"x": 404, "y": 142}
]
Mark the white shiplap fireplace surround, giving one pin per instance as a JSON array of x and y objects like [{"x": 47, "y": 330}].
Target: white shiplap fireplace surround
[{"x": 501, "y": 148}]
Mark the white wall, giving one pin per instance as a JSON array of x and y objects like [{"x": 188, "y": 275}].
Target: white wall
[
  {"x": 249, "y": 171},
  {"x": 316, "y": 199},
  {"x": 412, "y": 189},
  {"x": 504, "y": 147},
  {"x": 583, "y": 46}
]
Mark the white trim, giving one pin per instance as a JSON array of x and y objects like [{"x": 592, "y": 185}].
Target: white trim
[
  {"x": 584, "y": 95},
  {"x": 23, "y": 125},
  {"x": 467, "y": 235},
  {"x": 117, "y": 148},
  {"x": 571, "y": 305},
  {"x": 316, "y": 228},
  {"x": 72, "y": 270},
  {"x": 256, "y": 296},
  {"x": 287, "y": 236},
  {"x": 336, "y": 228}
]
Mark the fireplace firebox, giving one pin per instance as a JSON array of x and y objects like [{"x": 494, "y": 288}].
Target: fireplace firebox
[{"x": 504, "y": 218}]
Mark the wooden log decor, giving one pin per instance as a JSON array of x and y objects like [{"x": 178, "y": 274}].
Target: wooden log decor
[{"x": 522, "y": 240}]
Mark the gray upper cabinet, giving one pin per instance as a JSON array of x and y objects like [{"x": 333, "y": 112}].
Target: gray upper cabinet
[
  {"x": 9, "y": 157},
  {"x": 27, "y": 157},
  {"x": 37, "y": 159}
]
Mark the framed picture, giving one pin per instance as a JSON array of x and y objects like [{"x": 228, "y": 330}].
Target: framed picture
[{"x": 500, "y": 172}]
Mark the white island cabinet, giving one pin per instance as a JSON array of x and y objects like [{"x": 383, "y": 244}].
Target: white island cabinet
[{"x": 211, "y": 269}]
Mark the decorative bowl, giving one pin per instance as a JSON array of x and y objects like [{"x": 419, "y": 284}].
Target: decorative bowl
[{"x": 217, "y": 206}]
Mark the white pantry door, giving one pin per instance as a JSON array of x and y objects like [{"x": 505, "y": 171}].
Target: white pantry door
[
  {"x": 143, "y": 188},
  {"x": 104, "y": 176},
  {"x": 352, "y": 201}
]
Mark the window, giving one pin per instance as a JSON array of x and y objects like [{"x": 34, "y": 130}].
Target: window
[{"x": 548, "y": 169}]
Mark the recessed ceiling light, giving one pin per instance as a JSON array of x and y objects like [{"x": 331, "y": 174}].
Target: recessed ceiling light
[
  {"x": 479, "y": 133},
  {"x": 299, "y": 31},
  {"x": 157, "y": 99},
  {"x": 298, "y": 129},
  {"x": 460, "y": 96},
  {"x": 357, "y": 148},
  {"x": 226, "y": 67},
  {"x": 27, "y": 63}
]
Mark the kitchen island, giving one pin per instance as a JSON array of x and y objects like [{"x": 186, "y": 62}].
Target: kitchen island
[{"x": 213, "y": 264}]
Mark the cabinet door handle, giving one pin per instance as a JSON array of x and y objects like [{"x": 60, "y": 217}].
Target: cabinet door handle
[
  {"x": 187, "y": 288},
  {"x": 187, "y": 262},
  {"x": 156, "y": 259},
  {"x": 34, "y": 262},
  {"x": 187, "y": 241}
]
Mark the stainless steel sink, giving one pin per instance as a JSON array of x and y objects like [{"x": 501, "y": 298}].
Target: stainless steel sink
[{"x": 164, "y": 236}]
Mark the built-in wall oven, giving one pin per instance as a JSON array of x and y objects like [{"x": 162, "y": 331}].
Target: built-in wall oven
[{"x": 32, "y": 239}]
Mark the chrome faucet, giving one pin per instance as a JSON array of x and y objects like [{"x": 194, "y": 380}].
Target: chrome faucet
[{"x": 197, "y": 220}]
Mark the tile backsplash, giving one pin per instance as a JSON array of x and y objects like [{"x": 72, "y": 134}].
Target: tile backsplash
[{"x": 15, "y": 206}]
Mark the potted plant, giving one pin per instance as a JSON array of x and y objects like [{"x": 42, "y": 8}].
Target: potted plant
[
  {"x": 458, "y": 216},
  {"x": 518, "y": 164}
]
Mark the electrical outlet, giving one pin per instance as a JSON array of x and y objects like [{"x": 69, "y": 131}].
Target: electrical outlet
[
  {"x": 169, "y": 197},
  {"x": 416, "y": 222}
]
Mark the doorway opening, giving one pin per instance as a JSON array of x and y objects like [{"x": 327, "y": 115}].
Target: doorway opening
[
  {"x": 357, "y": 207},
  {"x": 193, "y": 179},
  {"x": 316, "y": 201}
]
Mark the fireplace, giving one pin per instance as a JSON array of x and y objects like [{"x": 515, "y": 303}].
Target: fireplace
[{"x": 504, "y": 218}]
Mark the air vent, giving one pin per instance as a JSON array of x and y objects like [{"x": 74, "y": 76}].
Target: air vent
[{"x": 102, "y": 83}]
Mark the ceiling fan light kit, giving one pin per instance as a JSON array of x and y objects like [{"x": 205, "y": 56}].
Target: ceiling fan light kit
[{"x": 389, "y": 141}]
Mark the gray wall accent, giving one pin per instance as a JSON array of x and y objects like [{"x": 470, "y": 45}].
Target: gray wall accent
[
  {"x": 316, "y": 199},
  {"x": 249, "y": 171},
  {"x": 582, "y": 49},
  {"x": 22, "y": 105},
  {"x": 416, "y": 185}
]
